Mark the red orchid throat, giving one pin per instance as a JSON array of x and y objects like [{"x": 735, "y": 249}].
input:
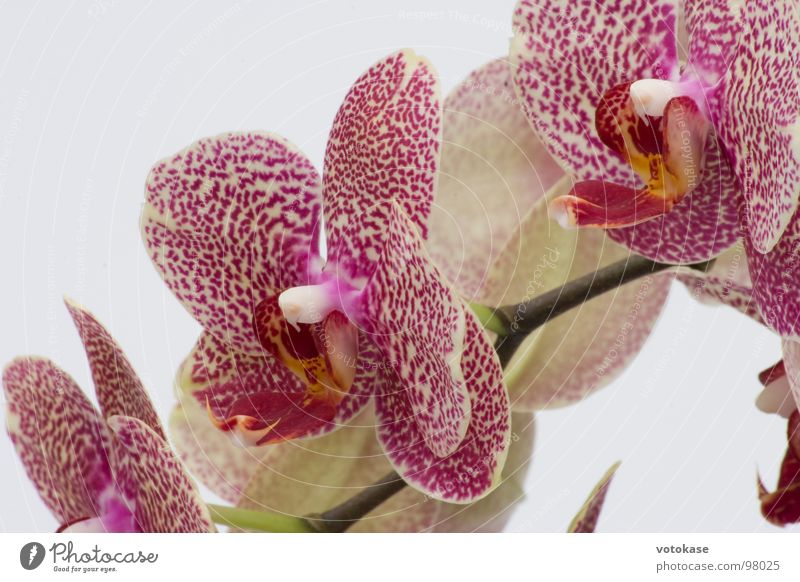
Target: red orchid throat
[
  {"x": 306, "y": 329},
  {"x": 659, "y": 129}
]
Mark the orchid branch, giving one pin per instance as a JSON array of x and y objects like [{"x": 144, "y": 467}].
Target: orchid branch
[
  {"x": 528, "y": 317},
  {"x": 258, "y": 521},
  {"x": 531, "y": 315}
]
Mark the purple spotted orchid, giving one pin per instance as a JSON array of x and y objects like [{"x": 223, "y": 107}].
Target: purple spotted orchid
[
  {"x": 677, "y": 160},
  {"x": 295, "y": 346},
  {"x": 303, "y": 478},
  {"x": 109, "y": 472},
  {"x": 492, "y": 236}
]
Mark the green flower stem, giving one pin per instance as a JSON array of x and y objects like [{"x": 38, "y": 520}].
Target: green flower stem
[
  {"x": 258, "y": 521},
  {"x": 492, "y": 319}
]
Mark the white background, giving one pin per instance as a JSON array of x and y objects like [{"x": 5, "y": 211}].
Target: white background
[{"x": 92, "y": 93}]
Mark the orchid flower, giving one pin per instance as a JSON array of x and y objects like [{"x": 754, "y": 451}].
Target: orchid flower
[
  {"x": 301, "y": 478},
  {"x": 676, "y": 161},
  {"x": 294, "y": 346},
  {"x": 492, "y": 236},
  {"x": 109, "y": 472}
]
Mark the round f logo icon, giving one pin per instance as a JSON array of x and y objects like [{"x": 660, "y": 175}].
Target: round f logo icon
[{"x": 31, "y": 555}]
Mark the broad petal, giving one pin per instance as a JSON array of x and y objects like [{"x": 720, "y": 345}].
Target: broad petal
[
  {"x": 301, "y": 478},
  {"x": 383, "y": 149},
  {"x": 494, "y": 169},
  {"x": 230, "y": 221},
  {"x": 713, "y": 29},
  {"x": 727, "y": 282},
  {"x": 221, "y": 377},
  {"x": 119, "y": 390},
  {"x": 567, "y": 54},
  {"x": 759, "y": 123},
  {"x": 584, "y": 349},
  {"x": 475, "y": 467},
  {"x": 701, "y": 226},
  {"x": 492, "y": 513},
  {"x": 585, "y": 520},
  {"x": 536, "y": 258},
  {"x": 164, "y": 496},
  {"x": 418, "y": 323},
  {"x": 59, "y": 437},
  {"x": 211, "y": 457}
]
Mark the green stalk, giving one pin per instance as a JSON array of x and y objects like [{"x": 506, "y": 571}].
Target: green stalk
[{"x": 258, "y": 521}]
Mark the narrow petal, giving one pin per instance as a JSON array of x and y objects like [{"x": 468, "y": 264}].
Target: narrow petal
[
  {"x": 568, "y": 54},
  {"x": 584, "y": 349},
  {"x": 164, "y": 497},
  {"x": 418, "y": 324},
  {"x": 474, "y": 469},
  {"x": 119, "y": 390},
  {"x": 301, "y": 478},
  {"x": 492, "y": 513},
  {"x": 726, "y": 282},
  {"x": 760, "y": 121},
  {"x": 713, "y": 27},
  {"x": 59, "y": 437},
  {"x": 586, "y": 519},
  {"x": 383, "y": 149},
  {"x": 494, "y": 169},
  {"x": 230, "y": 221}
]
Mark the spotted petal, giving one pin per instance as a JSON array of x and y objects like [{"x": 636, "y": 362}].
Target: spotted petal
[
  {"x": 474, "y": 468},
  {"x": 383, "y": 148},
  {"x": 165, "y": 499},
  {"x": 775, "y": 281},
  {"x": 568, "y": 53},
  {"x": 59, "y": 437},
  {"x": 713, "y": 30},
  {"x": 760, "y": 121},
  {"x": 119, "y": 390},
  {"x": 586, "y": 519},
  {"x": 492, "y": 513},
  {"x": 301, "y": 478},
  {"x": 418, "y": 324},
  {"x": 791, "y": 359},
  {"x": 494, "y": 169},
  {"x": 230, "y": 221}
]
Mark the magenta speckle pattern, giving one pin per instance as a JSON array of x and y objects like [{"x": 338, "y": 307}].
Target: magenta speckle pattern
[
  {"x": 418, "y": 324},
  {"x": 759, "y": 121},
  {"x": 713, "y": 27},
  {"x": 567, "y": 54},
  {"x": 166, "y": 499},
  {"x": 474, "y": 468},
  {"x": 230, "y": 221},
  {"x": 383, "y": 148},
  {"x": 701, "y": 226},
  {"x": 119, "y": 390},
  {"x": 61, "y": 440}
]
